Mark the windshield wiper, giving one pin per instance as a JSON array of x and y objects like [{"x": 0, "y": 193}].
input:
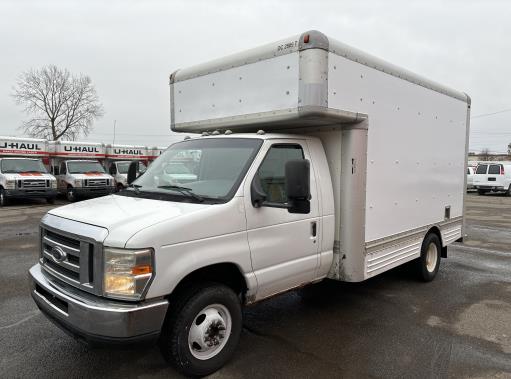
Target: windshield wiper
[
  {"x": 136, "y": 187},
  {"x": 184, "y": 191}
]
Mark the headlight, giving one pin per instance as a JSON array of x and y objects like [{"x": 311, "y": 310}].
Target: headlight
[
  {"x": 53, "y": 184},
  {"x": 78, "y": 182},
  {"x": 127, "y": 272},
  {"x": 10, "y": 184}
]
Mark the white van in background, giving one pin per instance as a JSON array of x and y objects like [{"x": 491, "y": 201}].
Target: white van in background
[
  {"x": 78, "y": 169},
  {"x": 22, "y": 173},
  {"x": 493, "y": 177}
]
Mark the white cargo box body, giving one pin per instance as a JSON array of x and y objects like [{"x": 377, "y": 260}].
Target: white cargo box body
[
  {"x": 127, "y": 152},
  {"x": 23, "y": 147},
  {"x": 396, "y": 142},
  {"x": 77, "y": 150}
]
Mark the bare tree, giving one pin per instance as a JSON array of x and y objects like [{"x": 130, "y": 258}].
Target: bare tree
[
  {"x": 60, "y": 104},
  {"x": 485, "y": 154}
]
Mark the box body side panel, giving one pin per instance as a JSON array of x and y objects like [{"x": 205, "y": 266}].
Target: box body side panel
[
  {"x": 416, "y": 147},
  {"x": 264, "y": 86}
]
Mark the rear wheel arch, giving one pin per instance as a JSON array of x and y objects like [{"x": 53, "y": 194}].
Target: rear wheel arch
[{"x": 436, "y": 230}]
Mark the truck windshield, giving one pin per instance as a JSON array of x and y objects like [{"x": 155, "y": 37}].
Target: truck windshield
[
  {"x": 122, "y": 167},
  {"x": 80, "y": 167},
  {"x": 199, "y": 169},
  {"x": 14, "y": 166}
]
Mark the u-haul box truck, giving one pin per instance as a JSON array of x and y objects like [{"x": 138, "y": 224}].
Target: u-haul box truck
[
  {"x": 317, "y": 161},
  {"x": 78, "y": 169},
  {"x": 118, "y": 159},
  {"x": 22, "y": 172}
]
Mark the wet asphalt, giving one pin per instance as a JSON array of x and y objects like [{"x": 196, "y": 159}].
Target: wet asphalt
[{"x": 390, "y": 326}]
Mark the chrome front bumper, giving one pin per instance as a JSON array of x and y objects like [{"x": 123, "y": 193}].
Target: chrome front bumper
[{"x": 92, "y": 318}]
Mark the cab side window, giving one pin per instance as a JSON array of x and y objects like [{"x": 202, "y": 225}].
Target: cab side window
[
  {"x": 271, "y": 173},
  {"x": 62, "y": 170}
]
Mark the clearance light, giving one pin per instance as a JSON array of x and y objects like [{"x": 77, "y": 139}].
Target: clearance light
[{"x": 306, "y": 38}]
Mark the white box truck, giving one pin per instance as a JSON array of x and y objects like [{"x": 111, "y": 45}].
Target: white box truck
[
  {"x": 118, "y": 159},
  {"x": 317, "y": 161},
  {"x": 22, "y": 173},
  {"x": 78, "y": 169}
]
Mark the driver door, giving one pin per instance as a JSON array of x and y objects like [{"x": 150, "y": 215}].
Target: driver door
[{"x": 283, "y": 245}]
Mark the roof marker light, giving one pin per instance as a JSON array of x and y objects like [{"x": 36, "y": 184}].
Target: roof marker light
[{"x": 306, "y": 38}]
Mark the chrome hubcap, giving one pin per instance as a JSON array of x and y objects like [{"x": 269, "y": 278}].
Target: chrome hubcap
[
  {"x": 209, "y": 332},
  {"x": 431, "y": 257}
]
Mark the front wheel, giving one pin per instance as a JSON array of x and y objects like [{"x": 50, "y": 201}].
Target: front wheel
[
  {"x": 481, "y": 192},
  {"x": 202, "y": 329},
  {"x": 3, "y": 198},
  {"x": 71, "y": 194},
  {"x": 428, "y": 263}
]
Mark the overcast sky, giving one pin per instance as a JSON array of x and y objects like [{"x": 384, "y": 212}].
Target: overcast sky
[{"x": 129, "y": 48}]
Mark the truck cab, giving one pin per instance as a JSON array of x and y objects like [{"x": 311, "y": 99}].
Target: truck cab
[
  {"x": 83, "y": 178},
  {"x": 25, "y": 178}
]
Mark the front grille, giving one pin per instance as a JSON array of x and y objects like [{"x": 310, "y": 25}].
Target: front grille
[
  {"x": 69, "y": 258},
  {"x": 95, "y": 182},
  {"x": 34, "y": 183}
]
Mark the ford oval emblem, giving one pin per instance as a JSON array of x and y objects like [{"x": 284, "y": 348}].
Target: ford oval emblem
[{"x": 58, "y": 254}]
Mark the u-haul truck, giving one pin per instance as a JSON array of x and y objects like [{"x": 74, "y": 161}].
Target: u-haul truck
[
  {"x": 317, "y": 161},
  {"x": 118, "y": 159},
  {"x": 78, "y": 169},
  {"x": 22, "y": 173}
]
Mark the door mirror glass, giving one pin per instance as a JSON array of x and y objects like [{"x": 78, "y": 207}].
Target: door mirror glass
[{"x": 298, "y": 185}]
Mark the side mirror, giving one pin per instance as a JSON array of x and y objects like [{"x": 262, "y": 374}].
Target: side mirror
[
  {"x": 132, "y": 172},
  {"x": 298, "y": 185}
]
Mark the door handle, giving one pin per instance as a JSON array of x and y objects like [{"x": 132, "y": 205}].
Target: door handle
[{"x": 314, "y": 228}]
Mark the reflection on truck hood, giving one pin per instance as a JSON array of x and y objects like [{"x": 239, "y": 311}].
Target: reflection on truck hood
[
  {"x": 124, "y": 215},
  {"x": 28, "y": 175},
  {"x": 92, "y": 175}
]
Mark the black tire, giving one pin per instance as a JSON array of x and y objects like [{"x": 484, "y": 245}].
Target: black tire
[
  {"x": 3, "y": 198},
  {"x": 71, "y": 194},
  {"x": 185, "y": 310},
  {"x": 427, "y": 268},
  {"x": 50, "y": 200},
  {"x": 481, "y": 192},
  {"x": 508, "y": 192},
  {"x": 119, "y": 187}
]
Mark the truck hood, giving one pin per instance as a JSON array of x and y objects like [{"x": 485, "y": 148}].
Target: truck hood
[
  {"x": 28, "y": 176},
  {"x": 91, "y": 176},
  {"x": 125, "y": 215}
]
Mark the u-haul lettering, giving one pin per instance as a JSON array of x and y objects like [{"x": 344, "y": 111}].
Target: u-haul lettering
[
  {"x": 127, "y": 151},
  {"x": 81, "y": 149},
  {"x": 20, "y": 146}
]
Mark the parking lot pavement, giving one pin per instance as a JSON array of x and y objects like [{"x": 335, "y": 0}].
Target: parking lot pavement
[{"x": 390, "y": 326}]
